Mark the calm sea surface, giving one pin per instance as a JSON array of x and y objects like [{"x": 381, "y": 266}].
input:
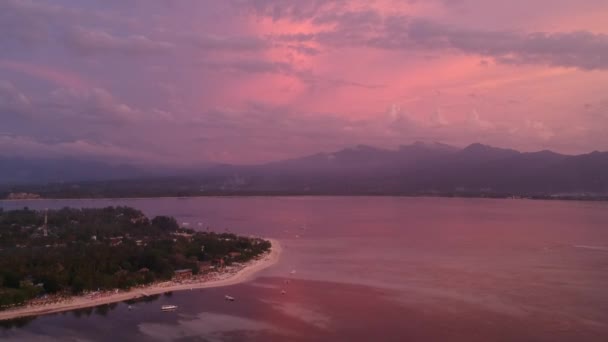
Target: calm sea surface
[{"x": 374, "y": 269}]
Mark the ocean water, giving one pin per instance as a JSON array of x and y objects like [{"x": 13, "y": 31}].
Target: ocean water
[{"x": 373, "y": 269}]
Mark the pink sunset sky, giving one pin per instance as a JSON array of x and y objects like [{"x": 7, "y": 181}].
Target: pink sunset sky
[{"x": 247, "y": 81}]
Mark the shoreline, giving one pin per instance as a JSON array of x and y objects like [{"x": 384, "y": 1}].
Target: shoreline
[
  {"x": 600, "y": 199},
  {"x": 223, "y": 279}
]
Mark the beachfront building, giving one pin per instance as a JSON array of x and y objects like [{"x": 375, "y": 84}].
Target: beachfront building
[
  {"x": 234, "y": 255},
  {"x": 205, "y": 267},
  {"x": 115, "y": 241},
  {"x": 183, "y": 274}
]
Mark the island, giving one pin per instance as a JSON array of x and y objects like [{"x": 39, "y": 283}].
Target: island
[{"x": 59, "y": 260}]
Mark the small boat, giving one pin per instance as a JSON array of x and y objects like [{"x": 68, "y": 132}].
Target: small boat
[
  {"x": 130, "y": 307},
  {"x": 229, "y": 298},
  {"x": 168, "y": 307},
  {"x": 283, "y": 292},
  {"x": 292, "y": 272}
]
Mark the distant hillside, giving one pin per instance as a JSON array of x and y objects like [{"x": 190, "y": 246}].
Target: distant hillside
[
  {"x": 416, "y": 169},
  {"x": 422, "y": 168},
  {"x": 15, "y": 171},
  {"x": 20, "y": 170}
]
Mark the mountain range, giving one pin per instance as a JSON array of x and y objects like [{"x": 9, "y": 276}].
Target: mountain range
[
  {"x": 19, "y": 170},
  {"x": 419, "y": 168},
  {"x": 423, "y": 168}
]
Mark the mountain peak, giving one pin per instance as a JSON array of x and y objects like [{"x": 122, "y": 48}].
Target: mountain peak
[
  {"x": 362, "y": 147},
  {"x": 428, "y": 146},
  {"x": 475, "y": 147},
  {"x": 486, "y": 151},
  {"x": 545, "y": 153}
]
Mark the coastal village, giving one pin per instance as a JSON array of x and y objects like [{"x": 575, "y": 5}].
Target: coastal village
[
  {"x": 211, "y": 276},
  {"x": 72, "y": 256}
]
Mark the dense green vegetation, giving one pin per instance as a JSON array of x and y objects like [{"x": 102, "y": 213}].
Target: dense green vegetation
[{"x": 115, "y": 247}]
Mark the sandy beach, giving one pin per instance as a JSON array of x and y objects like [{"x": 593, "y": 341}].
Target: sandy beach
[{"x": 233, "y": 276}]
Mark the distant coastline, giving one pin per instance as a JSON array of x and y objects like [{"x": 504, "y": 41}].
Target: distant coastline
[
  {"x": 539, "y": 197},
  {"x": 233, "y": 277},
  {"x": 418, "y": 169}
]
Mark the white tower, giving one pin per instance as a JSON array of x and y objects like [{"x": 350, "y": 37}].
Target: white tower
[{"x": 45, "y": 230}]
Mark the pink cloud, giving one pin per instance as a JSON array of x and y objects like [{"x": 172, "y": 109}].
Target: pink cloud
[
  {"x": 253, "y": 80},
  {"x": 60, "y": 77}
]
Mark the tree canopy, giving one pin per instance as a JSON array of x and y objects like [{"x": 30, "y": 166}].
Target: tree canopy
[{"x": 109, "y": 248}]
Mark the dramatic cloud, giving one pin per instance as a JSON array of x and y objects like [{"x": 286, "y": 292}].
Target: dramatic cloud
[
  {"x": 56, "y": 76},
  {"x": 23, "y": 146},
  {"x": 251, "y": 66},
  {"x": 90, "y": 41},
  {"x": 33, "y": 22},
  {"x": 291, "y": 9},
  {"x": 571, "y": 49},
  {"x": 476, "y": 122},
  {"x": 235, "y": 44},
  {"x": 96, "y": 105},
  {"x": 12, "y": 101},
  {"x": 247, "y": 81},
  {"x": 580, "y": 49}
]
